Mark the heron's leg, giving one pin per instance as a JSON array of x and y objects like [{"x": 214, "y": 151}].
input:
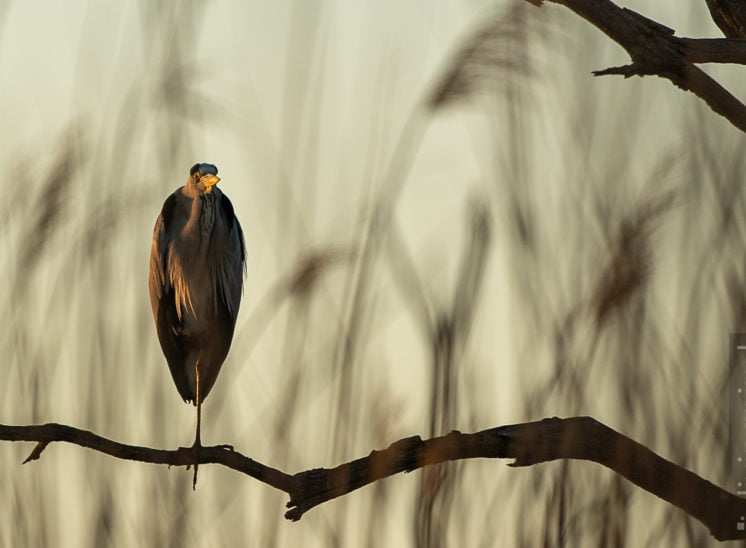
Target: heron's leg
[{"x": 197, "y": 442}]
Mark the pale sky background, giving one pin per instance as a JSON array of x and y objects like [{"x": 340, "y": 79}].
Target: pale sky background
[{"x": 312, "y": 93}]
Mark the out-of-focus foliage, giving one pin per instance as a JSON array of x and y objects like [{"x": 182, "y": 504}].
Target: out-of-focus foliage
[{"x": 436, "y": 240}]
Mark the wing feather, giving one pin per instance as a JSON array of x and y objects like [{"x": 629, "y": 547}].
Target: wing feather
[
  {"x": 231, "y": 263},
  {"x": 163, "y": 300}
]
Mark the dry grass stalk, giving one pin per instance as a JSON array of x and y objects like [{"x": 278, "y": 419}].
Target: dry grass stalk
[
  {"x": 629, "y": 267},
  {"x": 487, "y": 56}
]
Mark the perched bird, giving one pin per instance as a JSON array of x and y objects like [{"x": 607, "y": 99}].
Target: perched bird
[{"x": 197, "y": 263}]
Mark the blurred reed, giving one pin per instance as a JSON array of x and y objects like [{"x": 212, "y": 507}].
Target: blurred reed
[{"x": 594, "y": 274}]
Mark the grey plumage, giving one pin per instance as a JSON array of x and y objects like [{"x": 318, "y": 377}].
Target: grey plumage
[{"x": 197, "y": 263}]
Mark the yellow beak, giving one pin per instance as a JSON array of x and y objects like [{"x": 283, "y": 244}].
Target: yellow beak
[{"x": 210, "y": 180}]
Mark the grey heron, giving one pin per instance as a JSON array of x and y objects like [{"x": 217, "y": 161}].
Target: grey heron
[{"x": 197, "y": 263}]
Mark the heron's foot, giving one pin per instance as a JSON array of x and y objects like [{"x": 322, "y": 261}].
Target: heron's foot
[
  {"x": 194, "y": 477},
  {"x": 196, "y": 448},
  {"x": 194, "y": 453}
]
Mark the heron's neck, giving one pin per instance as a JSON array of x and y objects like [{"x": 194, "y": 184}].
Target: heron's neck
[
  {"x": 207, "y": 214},
  {"x": 202, "y": 216}
]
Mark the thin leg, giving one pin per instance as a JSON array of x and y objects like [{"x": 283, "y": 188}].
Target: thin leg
[{"x": 197, "y": 442}]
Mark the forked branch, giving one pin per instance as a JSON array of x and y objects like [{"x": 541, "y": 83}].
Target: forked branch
[
  {"x": 655, "y": 50},
  {"x": 581, "y": 438}
]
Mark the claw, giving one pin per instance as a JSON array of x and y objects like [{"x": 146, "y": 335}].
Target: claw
[
  {"x": 193, "y": 452},
  {"x": 195, "y": 449}
]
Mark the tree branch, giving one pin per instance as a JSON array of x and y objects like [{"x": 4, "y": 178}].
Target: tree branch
[
  {"x": 581, "y": 438},
  {"x": 655, "y": 50},
  {"x": 44, "y": 434}
]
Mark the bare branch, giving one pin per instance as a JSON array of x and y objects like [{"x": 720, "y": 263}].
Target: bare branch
[
  {"x": 581, "y": 438},
  {"x": 533, "y": 443},
  {"x": 655, "y": 50},
  {"x": 44, "y": 434},
  {"x": 714, "y": 50}
]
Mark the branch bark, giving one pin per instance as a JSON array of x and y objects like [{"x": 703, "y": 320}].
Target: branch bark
[
  {"x": 581, "y": 438},
  {"x": 655, "y": 50}
]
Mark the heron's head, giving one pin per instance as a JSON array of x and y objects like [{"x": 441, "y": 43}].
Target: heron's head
[{"x": 204, "y": 177}]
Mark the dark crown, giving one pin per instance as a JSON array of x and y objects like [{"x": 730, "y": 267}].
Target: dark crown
[{"x": 204, "y": 169}]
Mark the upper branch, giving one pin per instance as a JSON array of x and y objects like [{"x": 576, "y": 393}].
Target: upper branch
[{"x": 655, "y": 50}]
